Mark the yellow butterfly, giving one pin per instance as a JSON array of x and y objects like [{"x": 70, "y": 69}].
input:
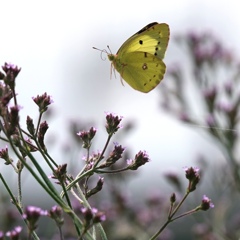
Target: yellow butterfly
[{"x": 139, "y": 59}]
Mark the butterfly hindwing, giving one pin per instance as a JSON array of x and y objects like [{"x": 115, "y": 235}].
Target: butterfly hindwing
[{"x": 143, "y": 71}]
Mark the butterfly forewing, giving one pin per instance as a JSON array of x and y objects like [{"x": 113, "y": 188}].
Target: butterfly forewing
[{"x": 152, "y": 39}]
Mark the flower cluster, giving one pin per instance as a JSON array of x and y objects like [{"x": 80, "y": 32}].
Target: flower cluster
[
  {"x": 13, "y": 234},
  {"x": 11, "y": 71},
  {"x": 192, "y": 174},
  {"x": 91, "y": 177},
  {"x": 140, "y": 159},
  {"x": 206, "y": 203},
  {"x": 92, "y": 216},
  {"x": 87, "y": 137},
  {"x": 43, "y": 101},
  {"x": 60, "y": 173},
  {"x": 32, "y": 215},
  {"x": 114, "y": 156},
  {"x": 4, "y": 155},
  {"x": 56, "y": 214},
  {"x": 113, "y": 123}
]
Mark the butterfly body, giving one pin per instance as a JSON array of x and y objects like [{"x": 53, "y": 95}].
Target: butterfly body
[{"x": 139, "y": 59}]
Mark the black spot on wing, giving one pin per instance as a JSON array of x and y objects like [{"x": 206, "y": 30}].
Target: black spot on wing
[{"x": 154, "y": 81}]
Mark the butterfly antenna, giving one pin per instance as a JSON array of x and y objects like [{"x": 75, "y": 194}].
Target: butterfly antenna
[
  {"x": 102, "y": 51},
  {"x": 109, "y": 49}
]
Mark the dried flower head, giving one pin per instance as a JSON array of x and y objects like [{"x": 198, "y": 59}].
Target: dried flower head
[
  {"x": 192, "y": 174},
  {"x": 11, "y": 72},
  {"x": 206, "y": 203},
  {"x": 15, "y": 233},
  {"x": 60, "y": 173},
  {"x": 43, "y": 102},
  {"x": 56, "y": 214},
  {"x": 140, "y": 159},
  {"x": 87, "y": 137},
  {"x": 41, "y": 133},
  {"x": 113, "y": 123},
  {"x": 173, "y": 198},
  {"x": 4, "y": 155},
  {"x": 92, "y": 216},
  {"x": 97, "y": 188},
  {"x": 30, "y": 125},
  {"x": 114, "y": 156},
  {"x": 32, "y": 215}
]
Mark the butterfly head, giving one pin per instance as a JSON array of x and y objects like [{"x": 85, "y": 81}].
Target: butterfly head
[{"x": 112, "y": 57}]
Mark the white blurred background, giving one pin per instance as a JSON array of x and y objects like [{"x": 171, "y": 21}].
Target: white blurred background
[{"x": 52, "y": 42}]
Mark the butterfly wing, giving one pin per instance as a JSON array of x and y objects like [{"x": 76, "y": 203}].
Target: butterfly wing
[
  {"x": 153, "y": 39},
  {"x": 143, "y": 71},
  {"x": 139, "y": 59}
]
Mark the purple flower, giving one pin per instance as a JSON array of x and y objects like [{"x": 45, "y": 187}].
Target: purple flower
[
  {"x": 60, "y": 173},
  {"x": 56, "y": 214},
  {"x": 87, "y": 137},
  {"x": 11, "y": 72},
  {"x": 192, "y": 174},
  {"x": 114, "y": 156},
  {"x": 140, "y": 159},
  {"x": 43, "y": 102},
  {"x": 92, "y": 216},
  {"x": 32, "y": 215},
  {"x": 14, "y": 234},
  {"x": 11, "y": 67},
  {"x": 97, "y": 188},
  {"x": 206, "y": 203},
  {"x": 113, "y": 123},
  {"x": 99, "y": 217},
  {"x": 4, "y": 155}
]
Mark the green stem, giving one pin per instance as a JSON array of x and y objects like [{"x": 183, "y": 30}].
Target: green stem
[
  {"x": 170, "y": 217},
  {"x": 103, "y": 151},
  {"x": 179, "y": 205},
  {"x": 38, "y": 124},
  {"x": 20, "y": 189},
  {"x": 19, "y": 208}
]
